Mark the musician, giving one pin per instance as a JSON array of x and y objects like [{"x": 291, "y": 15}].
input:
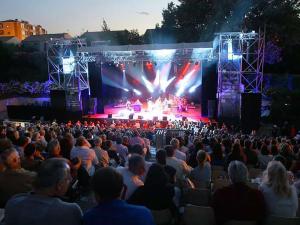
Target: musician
[{"x": 128, "y": 105}]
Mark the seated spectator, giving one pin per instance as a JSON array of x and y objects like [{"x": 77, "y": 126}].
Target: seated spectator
[
  {"x": 43, "y": 206},
  {"x": 202, "y": 173},
  {"x": 29, "y": 162},
  {"x": 132, "y": 174},
  {"x": 238, "y": 201},
  {"x": 113, "y": 155},
  {"x": 236, "y": 154},
  {"x": 87, "y": 155},
  {"x": 157, "y": 193},
  {"x": 53, "y": 149},
  {"x": 197, "y": 145},
  {"x": 182, "y": 169},
  {"x": 107, "y": 185},
  {"x": 176, "y": 145},
  {"x": 121, "y": 149},
  {"x": 250, "y": 153},
  {"x": 138, "y": 149},
  {"x": 217, "y": 157},
  {"x": 101, "y": 154},
  {"x": 264, "y": 157},
  {"x": 14, "y": 179},
  {"x": 281, "y": 197}
]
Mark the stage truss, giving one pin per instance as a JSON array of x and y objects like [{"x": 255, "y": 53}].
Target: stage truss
[
  {"x": 240, "y": 69},
  {"x": 63, "y": 54}
]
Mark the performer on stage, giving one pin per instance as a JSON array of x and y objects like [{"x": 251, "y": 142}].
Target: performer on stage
[{"x": 128, "y": 105}]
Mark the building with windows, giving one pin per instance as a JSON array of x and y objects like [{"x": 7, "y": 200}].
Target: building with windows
[{"x": 19, "y": 29}]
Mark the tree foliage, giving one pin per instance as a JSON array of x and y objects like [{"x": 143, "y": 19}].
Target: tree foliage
[{"x": 105, "y": 26}]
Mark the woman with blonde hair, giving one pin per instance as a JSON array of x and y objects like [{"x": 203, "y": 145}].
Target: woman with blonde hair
[{"x": 280, "y": 196}]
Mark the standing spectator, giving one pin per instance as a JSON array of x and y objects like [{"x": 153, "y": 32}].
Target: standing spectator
[
  {"x": 281, "y": 197},
  {"x": 264, "y": 157},
  {"x": 250, "y": 153},
  {"x": 136, "y": 139},
  {"x": 217, "y": 157},
  {"x": 87, "y": 155},
  {"x": 236, "y": 154},
  {"x": 121, "y": 149},
  {"x": 107, "y": 185},
  {"x": 29, "y": 162},
  {"x": 43, "y": 206},
  {"x": 238, "y": 201},
  {"x": 53, "y": 149}
]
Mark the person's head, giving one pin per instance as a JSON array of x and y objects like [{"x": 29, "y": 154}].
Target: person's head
[
  {"x": 29, "y": 150},
  {"x": 82, "y": 142},
  {"x": 274, "y": 150},
  {"x": 175, "y": 143},
  {"x": 103, "y": 137},
  {"x": 137, "y": 149},
  {"x": 161, "y": 156},
  {"x": 199, "y": 145},
  {"x": 119, "y": 140},
  {"x": 97, "y": 141},
  {"x": 248, "y": 144},
  {"x": 107, "y": 184},
  {"x": 53, "y": 148},
  {"x": 125, "y": 140},
  {"x": 236, "y": 149},
  {"x": 171, "y": 172},
  {"x": 53, "y": 177},
  {"x": 5, "y": 144},
  {"x": 201, "y": 158},
  {"x": 276, "y": 177},
  {"x": 11, "y": 159},
  {"x": 107, "y": 145},
  {"x": 156, "y": 176},
  {"x": 237, "y": 172},
  {"x": 136, "y": 164},
  {"x": 217, "y": 151},
  {"x": 264, "y": 150},
  {"x": 281, "y": 159},
  {"x": 170, "y": 150},
  {"x": 36, "y": 136}
]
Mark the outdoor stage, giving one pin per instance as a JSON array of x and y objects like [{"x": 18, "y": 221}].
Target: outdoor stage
[{"x": 121, "y": 112}]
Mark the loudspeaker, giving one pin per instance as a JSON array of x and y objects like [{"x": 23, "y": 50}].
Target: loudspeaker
[
  {"x": 211, "y": 108},
  {"x": 58, "y": 99},
  {"x": 140, "y": 117},
  {"x": 109, "y": 116},
  {"x": 250, "y": 111},
  {"x": 131, "y": 116},
  {"x": 95, "y": 78},
  {"x": 165, "y": 118}
]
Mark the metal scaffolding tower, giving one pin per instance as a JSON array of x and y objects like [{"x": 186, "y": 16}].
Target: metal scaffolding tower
[
  {"x": 68, "y": 69},
  {"x": 240, "y": 69}
]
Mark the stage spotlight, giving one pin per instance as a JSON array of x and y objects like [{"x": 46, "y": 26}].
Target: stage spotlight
[
  {"x": 137, "y": 92},
  {"x": 125, "y": 89},
  {"x": 148, "y": 84},
  {"x": 192, "y": 89}
]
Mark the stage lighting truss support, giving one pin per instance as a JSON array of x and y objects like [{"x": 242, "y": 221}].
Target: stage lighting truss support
[
  {"x": 240, "y": 67},
  {"x": 77, "y": 79}
]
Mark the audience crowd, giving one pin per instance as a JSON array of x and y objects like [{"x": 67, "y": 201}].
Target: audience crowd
[{"x": 49, "y": 171}]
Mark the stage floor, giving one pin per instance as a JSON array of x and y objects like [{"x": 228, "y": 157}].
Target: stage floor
[{"x": 120, "y": 112}]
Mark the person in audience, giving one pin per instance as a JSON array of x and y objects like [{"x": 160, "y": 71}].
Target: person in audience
[
  {"x": 251, "y": 155},
  {"x": 182, "y": 169},
  {"x": 264, "y": 157},
  {"x": 121, "y": 149},
  {"x": 182, "y": 146},
  {"x": 236, "y": 154},
  {"x": 14, "y": 179},
  {"x": 238, "y": 201},
  {"x": 101, "y": 154},
  {"x": 197, "y": 145},
  {"x": 201, "y": 174},
  {"x": 40, "y": 148},
  {"x": 281, "y": 197},
  {"x": 132, "y": 174},
  {"x": 87, "y": 155},
  {"x": 136, "y": 139},
  {"x": 66, "y": 145},
  {"x": 53, "y": 149},
  {"x": 176, "y": 145},
  {"x": 107, "y": 185},
  {"x": 22, "y": 142},
  {"x": 29, "y": 162},
  {"x": 43, "y": 205},
  {"x": 157, "y": 193},
  {"x": 113, "y": 155},
  {"x": 138, "y": 149},
  {"x": 217, "y": 157}
]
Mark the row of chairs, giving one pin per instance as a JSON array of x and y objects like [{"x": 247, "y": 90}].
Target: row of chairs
[{"x": 204, "y": 215}]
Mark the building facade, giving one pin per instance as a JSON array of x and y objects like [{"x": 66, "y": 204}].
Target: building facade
[{"x": 19, "y": 29}]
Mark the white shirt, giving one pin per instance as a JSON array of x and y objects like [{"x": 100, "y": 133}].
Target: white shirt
[
  {"x": 280, "y": 206},
  {"x": 181, "y": 167},
  {"x": 131, "y": 181},
  {"x": 180, "y": 155},
  {"x": 88, "y": 157}
]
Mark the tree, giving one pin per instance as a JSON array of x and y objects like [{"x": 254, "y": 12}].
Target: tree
[{"x": 105, "y": 26}]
